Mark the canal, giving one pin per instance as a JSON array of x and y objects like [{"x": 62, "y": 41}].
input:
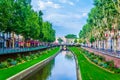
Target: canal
[{"x": 62, "y": 67}]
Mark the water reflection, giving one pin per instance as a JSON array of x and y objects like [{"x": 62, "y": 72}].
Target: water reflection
[
  {"x": 61, "y": 68},
  {"x": 69, "y": 56},
  {"x": 43, "y": 73}
]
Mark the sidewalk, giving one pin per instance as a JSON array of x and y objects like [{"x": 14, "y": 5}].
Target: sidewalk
[{"x": 106, "y": 52}]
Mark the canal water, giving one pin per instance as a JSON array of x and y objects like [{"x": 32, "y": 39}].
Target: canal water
[{"x": 62, "y": 67}]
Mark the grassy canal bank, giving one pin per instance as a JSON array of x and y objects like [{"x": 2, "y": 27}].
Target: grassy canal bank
[
  {"x": 26, "y": 63},
  {"x": 90, "y": 71}
]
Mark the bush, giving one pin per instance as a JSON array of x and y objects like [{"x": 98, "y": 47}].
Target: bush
[
  {"x": 32, "y": 56},
  {"x": 101, "y": 58},
  {"x": 37, "y": 55},
  {"x": 92, "y": 53},
  {"x": 95, "y": 61},
  {"x": 101, "y": 63},
  {"x": 93, "y": 57},
  {"x": 105, "y": 65},
  {"x": 3, "y": 65},
  {"x": 46, "y": 52},
  {"x": 117, "y": 70},
  {"x": 88, "y": 55},
  {"x": 110, "y": 63},
  {"x": 26, "y": 58},
  {"x": 9, "y": 60},
  {"x": 19, "y": 55},
  {"x": 19, "y": 59},
  {"x": 49, "y": 50},
  {"x": 13, "y": 62}
]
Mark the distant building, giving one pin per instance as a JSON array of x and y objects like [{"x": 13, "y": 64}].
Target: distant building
[
  {"x": 66, "y": 40},
  {"x": 70, "y": 41},
  {"x": 63, "y": 38}
]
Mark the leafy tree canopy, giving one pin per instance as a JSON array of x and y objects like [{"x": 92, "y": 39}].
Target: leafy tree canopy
[{"x": 71, "y": 36}]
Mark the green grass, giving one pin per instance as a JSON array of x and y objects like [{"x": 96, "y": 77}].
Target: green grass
[
  {"x": 6, "y": 73},
  {"x": 91, "y": 72}
]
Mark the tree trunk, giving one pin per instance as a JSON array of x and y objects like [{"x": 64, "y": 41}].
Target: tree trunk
[
  {"x": 103, "y": 44},
  {"x": 13, "y": 41},
  {"x": 3, "y": 40},
  {"x": 115, "y": 45},
  {"x": 99, "y": 44},
  {"x": 106, "y": 44}
]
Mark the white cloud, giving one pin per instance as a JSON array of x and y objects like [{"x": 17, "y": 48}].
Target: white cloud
[
  {"x": 71, "y": 3},
  {"x": 84, "y": 14},
  {"x": 65, "y": 15},
  {"x": 43, "y": 5},
  {"x": 69, "y": 20},
  {"x": 67, "y": 2}
]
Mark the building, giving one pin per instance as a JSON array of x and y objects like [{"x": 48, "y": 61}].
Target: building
[
  {"x": 8, "y": 41},
  {"x": 5, "y": 40},
  {"x": 63, "y": 42},
  {"x": 70, "y": 41}
]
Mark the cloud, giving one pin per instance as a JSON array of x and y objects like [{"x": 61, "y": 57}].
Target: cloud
[
  {"x": 84, "y": 14},
  {"x": 71, "y": 3},
  {"x": 67, "y": 16},
  {"x": 68, "y": 20},
  {"x": 43, "y": 5},
  {"x": 67, "y": 2}
]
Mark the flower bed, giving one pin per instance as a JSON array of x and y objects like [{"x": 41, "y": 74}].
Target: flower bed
[
  {"x": 100, "y": 61},
  {"x": 21, "y": 59},
  {"x": 9, "y": 68}
]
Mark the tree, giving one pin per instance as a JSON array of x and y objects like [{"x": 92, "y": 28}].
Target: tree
[
  {"x": 18, "y": 17},
  {"x": 60, "y": 40},
  {"x": 48, "y": 32},
  {"x": 103, "y": 18},
  {"x": 75, "y": 41},
  {"x": 71, "y": 36}
]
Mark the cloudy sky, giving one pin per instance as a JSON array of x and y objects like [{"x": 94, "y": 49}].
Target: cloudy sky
[{"x": 67, "y": 16}]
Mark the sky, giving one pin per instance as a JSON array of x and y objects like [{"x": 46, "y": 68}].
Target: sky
[{"x": 67, "y": 16}]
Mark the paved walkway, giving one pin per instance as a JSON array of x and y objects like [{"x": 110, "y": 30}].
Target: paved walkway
[
  {"x": 108, "y": 55},
  {"x": 107, "y": 52}
]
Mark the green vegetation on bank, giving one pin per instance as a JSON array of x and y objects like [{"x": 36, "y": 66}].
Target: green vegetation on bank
[
  {"x": 89, "y": 71},
  {"x": 8, "y": 72},
  {"x": 101, "y": 62}
]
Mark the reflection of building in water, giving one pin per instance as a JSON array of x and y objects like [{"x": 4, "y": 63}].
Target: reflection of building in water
[
  {"x": 43, "y": 73},
  {"x": 69, "y": 55},
  {"x": 64, "y": 52}
]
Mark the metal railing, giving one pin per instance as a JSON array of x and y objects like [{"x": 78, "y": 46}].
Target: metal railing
[
  {"x": 18, "y": 50},
  {"x": 107, "y": 52}
]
